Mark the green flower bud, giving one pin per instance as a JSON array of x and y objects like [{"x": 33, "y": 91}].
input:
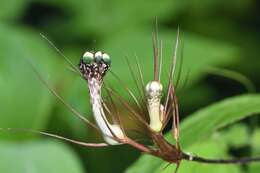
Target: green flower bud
[
  {"x": 88, "y": 58},
  {"x": 106, "y": 59},
  {"x": 98, "y": 57}
]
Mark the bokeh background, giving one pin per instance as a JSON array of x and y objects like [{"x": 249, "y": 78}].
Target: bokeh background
[{"x": 215, "y": 33}]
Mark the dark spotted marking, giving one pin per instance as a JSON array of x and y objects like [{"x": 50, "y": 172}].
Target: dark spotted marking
[{"x": 95, "y": 70}]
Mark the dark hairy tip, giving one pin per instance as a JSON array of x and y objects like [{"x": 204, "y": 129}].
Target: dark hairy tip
[{"x": 94, "y": 65}]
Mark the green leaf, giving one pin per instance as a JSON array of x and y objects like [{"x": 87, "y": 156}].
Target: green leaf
[
  {"x": 255, "y": 140},
  {"x": 25, "y": 102},
  {"x": 199, "y": 125},
  {"x": 247, "y": 83},
  {"x": 253, "y": 168},
  {"x": 142, "y": 166},
  {"x": 12, "y": 9},
  {"x": 75, "y": 92},
  {"x": 236, "y": 136},
  {"x": 202, "y": 123},
  {"x": 40, "y": 157}
]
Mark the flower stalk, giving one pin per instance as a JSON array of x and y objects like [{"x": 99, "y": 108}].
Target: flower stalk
[
  {"x": 93, "y": 68},
  {"x": 154, "y": 93}
]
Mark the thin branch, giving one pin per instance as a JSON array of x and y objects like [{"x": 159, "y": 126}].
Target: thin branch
[
  {"x": 155, "y": 52},
  {"x": 76, "y": 113},
  {"x": 58, "y": 137},
  {"x": 173, "y": 65},
  {"x": 124, "y": 102},
  {"x": 220, "y": 161},
  {"x": 133, "y": 75},
  {"x": 175, "y": 124},
  {"x": 127, "y": 89},
  {"x": 57, "y": 50},
  {"x": 161, "y": 60},
  {"x": 180, "y": 71},
  {"x": 142, "y": 90},
  {"x": 137, "y": 145}
]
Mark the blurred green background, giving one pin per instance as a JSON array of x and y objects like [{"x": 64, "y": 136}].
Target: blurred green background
[{"x": 215, "y": 33}]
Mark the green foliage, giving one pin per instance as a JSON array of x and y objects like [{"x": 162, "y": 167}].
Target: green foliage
[
  {"x": 40, "y": 157},
  {"x": 18, "y": 81},
  {"x": 201, "y": 124},
  {"x": 211, "y": 36},
  {"x": 236, "y": 136},
  {"x": 255, "y": 140},
  {"x": 15, "y": 6},
  {"x": 204, "y": 121}
]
